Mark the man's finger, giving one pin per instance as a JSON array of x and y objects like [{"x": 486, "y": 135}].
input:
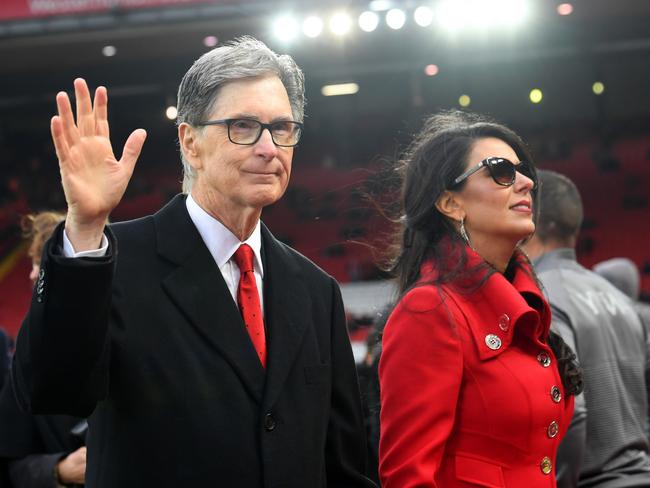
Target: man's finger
[
  {"x": 60, "y": 144},
  {"x": 132, "y": 148},
  {"x": 69, "y": 129},
  {"x": 100, "y": 108},
  {"x": 85, "y": 119}
]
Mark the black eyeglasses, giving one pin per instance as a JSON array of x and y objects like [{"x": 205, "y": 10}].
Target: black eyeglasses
[
  {"x": 246, "y": 132},
  {"x": 502, "y": 171}
]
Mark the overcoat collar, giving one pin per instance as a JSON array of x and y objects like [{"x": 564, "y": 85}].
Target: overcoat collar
[
  {"x": 498, "y": 307},
  {"x": 197, "y": 287}
]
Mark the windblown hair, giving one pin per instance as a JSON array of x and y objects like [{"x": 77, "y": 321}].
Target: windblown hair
[
  {"x": 245, "y": 57},
  {"x": 435, "y": 158},
  {"x": 38, "y": 228}
]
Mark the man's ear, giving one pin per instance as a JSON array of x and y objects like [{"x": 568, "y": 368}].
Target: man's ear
[
  {"x": 449, "y": 204},
  {"x": 188, "y": 139}
]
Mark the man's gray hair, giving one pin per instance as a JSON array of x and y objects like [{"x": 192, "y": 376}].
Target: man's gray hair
[{"x": 245, "y": 57}]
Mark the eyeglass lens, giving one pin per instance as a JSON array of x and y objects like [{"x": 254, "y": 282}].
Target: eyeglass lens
[{"x": 246, "y": 131}]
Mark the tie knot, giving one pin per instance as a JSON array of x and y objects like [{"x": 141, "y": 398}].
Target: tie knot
[{"x": 244, "y": 258}]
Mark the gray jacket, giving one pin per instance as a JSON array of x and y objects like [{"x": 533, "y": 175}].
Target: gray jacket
[{"x": 600, "y": 323}]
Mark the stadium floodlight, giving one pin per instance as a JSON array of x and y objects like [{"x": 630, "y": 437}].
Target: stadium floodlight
[
  {"x": 368, "y": 21},
  {"x": 431, "y": 70},
  {"x": 340, "y": 23},
  {"x": 395, "y": 18},
  {"x": 451, "y": 14},
  {"x": 380, "y": 5},
  {"x": 109, "y": 51},
  {"x": 512, "y": 12},
  {"x": 598, "y": 88},
  {"x": 285, "y": 28},
  {"x": 536, "y": 95},
  {"x": 171, "y": 112},
  {"x": 210, "y": 41},
  {"x": 339, "y": 89},
  {"x": 423, "y": 16},
  {"x": 312, "y": 26}
]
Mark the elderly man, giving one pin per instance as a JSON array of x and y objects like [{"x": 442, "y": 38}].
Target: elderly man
[
  {"x": 205, "y": 352},
  {"x": 608, "y": 445}
]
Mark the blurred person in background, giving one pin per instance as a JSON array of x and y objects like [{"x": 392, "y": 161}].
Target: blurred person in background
[
  {"x": 41, "y": 451},
  {"x": 624, "y": 275},
  {"x": 611, "y": 344},
  {"x": 4, "y": 357},
  {"x": 206, "y": 352},
  {"x": 475, "y": 388}
]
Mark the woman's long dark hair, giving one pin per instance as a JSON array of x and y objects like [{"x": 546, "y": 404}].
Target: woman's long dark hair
[{"x": 435, "y": 158}]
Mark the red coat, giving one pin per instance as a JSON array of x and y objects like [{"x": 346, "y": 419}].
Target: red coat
[{"x": 470, "y": 392}]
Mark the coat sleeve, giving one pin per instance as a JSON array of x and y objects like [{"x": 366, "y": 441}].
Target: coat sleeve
[
  {"x": 345, "y": 449},
  {"x": 61, "y": 360},
  {"x": 420, "y": 373},
  {"x": 35, "y": 470},
  {"x": 573, "y": 446}
]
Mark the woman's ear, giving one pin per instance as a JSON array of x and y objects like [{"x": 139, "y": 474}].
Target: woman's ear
[
  {"x": 188, "y": 139},
  {"x": 449, "y": 204}
]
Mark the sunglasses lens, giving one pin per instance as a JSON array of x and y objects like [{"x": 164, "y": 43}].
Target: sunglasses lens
[
  {"x": 528, "y": 171},
  {"x": 502, "y": 171}
]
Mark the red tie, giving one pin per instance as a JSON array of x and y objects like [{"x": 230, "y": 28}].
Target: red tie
[{"x": 248, "y": 299}]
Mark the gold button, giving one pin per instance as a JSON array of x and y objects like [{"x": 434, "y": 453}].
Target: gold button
[
  {"x": 504, "y": 322},
  {"x": 556, "y": 394},
  {"x": 544, "y": 359},
  {"x": 553, "y": 429},
  {"x": 492, "y": 341},
  {"x": 546, "y": 465}
]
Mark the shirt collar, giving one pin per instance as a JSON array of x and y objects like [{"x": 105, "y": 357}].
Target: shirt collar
[{"x": 222, "y": 243}]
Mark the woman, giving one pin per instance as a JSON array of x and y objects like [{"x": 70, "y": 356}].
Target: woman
[{"x": 472, "y": 391}]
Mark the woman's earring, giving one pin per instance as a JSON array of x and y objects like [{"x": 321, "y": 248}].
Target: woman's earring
[{"x": 463, "y": 232}]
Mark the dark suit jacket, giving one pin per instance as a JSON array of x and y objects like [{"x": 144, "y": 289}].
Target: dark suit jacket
[
  {"x": 149, "y": 342},
  {"x": 32, "y": 445}
]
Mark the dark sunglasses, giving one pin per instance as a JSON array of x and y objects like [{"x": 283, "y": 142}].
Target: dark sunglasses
[{"x": 502, "y": 171}]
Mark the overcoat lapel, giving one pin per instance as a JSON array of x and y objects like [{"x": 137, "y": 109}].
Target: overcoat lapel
[
  {"x": 287, "y": 313},
  {"x": 198, "y": 289}
]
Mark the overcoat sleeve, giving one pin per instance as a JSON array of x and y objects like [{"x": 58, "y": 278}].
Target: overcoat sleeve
[
  {"x": 420, "y": 373},
  {"x": 345, "y": 449},
  {"x": 61, "y": 360}
]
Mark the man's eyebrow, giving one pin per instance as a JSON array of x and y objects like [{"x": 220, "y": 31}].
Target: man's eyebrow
[{"x": 245, "y": 115}]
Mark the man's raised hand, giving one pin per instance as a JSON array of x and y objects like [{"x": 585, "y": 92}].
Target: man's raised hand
[{"x": 94, "y": 181}]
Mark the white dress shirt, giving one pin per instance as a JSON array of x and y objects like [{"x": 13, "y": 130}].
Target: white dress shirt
[{"x": 221, "y": 243}]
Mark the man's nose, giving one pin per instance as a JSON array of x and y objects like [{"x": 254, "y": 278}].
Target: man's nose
[{"x": 265, "y": 145}]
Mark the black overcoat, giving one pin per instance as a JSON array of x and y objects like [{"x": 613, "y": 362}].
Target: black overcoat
[{"x": 148, "y": 342}]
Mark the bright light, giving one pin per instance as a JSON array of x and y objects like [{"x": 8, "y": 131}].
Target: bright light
[
  {"x": 431, "y": 70},
  {"x": 285, "y": 28},
  {"x": 109, "y": 51},
  {"x": 464, "y": 100},
  {"x": 312, "y": 26},
  {"x": 451, "y": 14},
  {"x": 210, "y": 41},
  {"x": 368, "y": 21},
  {"x": 423, "y": 16},
  {"x": 340, "y": 23},
  {"x": 395, "y": 18},
  {"x": 565, "y": 9},
  {"x": 513, "y": 12},
  {"x": 340, "y": 89},
  {"x": 536, "y": 95},
  {"x": 171, "y": 112},
  {"x": 598, "y": 88},
  {"x": 482, "y": 13},
  {"x": 379, "y": 5}
]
